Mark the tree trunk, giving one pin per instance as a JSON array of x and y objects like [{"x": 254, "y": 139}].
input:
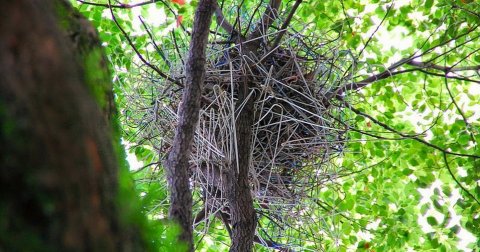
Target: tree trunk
[
  {"x": 178, "y": 160},
  {"x": 239, "y": 196},
  {"x": 58, "y": 167},
  {"x": 243, "y": 215}
]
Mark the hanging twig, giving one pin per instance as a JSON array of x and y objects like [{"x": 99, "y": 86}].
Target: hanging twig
[{"x": 456, "y": 181}]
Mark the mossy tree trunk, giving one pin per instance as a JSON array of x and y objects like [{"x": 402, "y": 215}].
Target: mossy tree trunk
[{"x": 58, "y": 164}]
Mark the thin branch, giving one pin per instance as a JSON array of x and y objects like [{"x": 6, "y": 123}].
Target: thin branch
[
  {"x": 150, "y": 35},
  {"x": 121, "y": 5},
  {"x": 451, "y": 49},
  {"x": 456, "y": 181},
  {"x": 251, "y": 17},
  {"x": 222, "y": 21},
  {"x": 224, "y": 217},
  {"x": 455, "y": 103},
  {"x": 468, "y": 11},
  {"x": 267, "y": 19},
  {"x": 385, "y": 126},
  {"x": 146, "y": 166},
  {"x": 271, "y": 244},
  {"x": 345, "y": 14},
  {"x": 449, "y": 76},
  {"x": 376, "y": 29},
  {"x": 446, "y": 42},
  {"x": 285, "y": 24},
  {"x": 360, "y": 84},
  {"x": 130, "y": 6},
  {"x": 220, "y": 18},
  {"x": 388, "y": 73},
  {"x": 177, "y": 48},
  {"x": 130, "y": 42},
  {"x": 464, "y": 117},
  {"x": 443, "y": 68},
  {"x": 368, "y": 41}
]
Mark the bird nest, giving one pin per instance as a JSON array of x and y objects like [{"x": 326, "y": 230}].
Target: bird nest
[{"x": 297, "y": 130}]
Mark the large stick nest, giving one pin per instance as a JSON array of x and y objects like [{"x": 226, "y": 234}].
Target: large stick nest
[{"x": 297, "y": 129}]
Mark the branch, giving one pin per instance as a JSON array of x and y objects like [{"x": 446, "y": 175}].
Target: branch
[
  {"x": 380, "y": 76},
  {"x": 267, "y": 19},
  {"x": 407, "y": 61},
  {"x": 121, "y": 5},
  {"x": 443, "y": 68},
  {"x": 468, "y": 11},
  {"x": 389, "y": 72},
  {"x": 177, "y": 48},
  {"x": 177, "y": 163},
  {"x": 150, "y": 35},
  {"x": 464, "y": 117},
  {"x": 200, "y": 216},
  {"x": 449, "y": 76},
  {"x": 224, "y": 217},
  {"x": 250, "y": 20},
  {"x": 130, "y": 42},
  {"x": 456, "y": 181},
  {"x": 130, "y": 6},
  {"x": 146, "y": 166},
  {"x": 222, "y": 21},
  {"x": 220, "y": 18},
  {"x": 385, "y": 126},
  {"x": 376, "y": 30},
  {"x": 285, "y": 24}
]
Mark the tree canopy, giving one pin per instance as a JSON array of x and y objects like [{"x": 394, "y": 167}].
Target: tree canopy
[{"x": 405, "y": 85}]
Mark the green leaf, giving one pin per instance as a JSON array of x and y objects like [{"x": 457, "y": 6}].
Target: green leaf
[
  {"x": 432, "y": 221},
  {"x": 463, "y": 139},
  {"x": 428, "y": 4}
]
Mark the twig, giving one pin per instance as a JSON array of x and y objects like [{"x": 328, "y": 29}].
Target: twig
[
  {"x": 226, "y": 25},
  {"x": 150, "y": 35},
  {"x": 385, "y": 126},
  {"x": 121, "y": 5},
  {"x": 285, "y": 24},
  {"x": 376, "y": 29},
  {"x": 443, "y": 68},
  {"x": 130, "y": 42},
  {"x": 251, "y": 17},
  {"x": 360, "y": 84},
  {"x": 267, "y": 19},
  {"x": 464, "y": 117},
  {"x": 130, "y": 6},
  {"x": 145, "y": 166},
  {"x": 449, "y": 76},
  {"x": 456, "y": 181},
  {"x": 388, "y": 73},
  {"x": 177, "y": 48}
]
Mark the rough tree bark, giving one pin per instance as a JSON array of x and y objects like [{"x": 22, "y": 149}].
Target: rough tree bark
[
  {"x": 178, "y": 160},
  {"x": 243, "y": 215},
  {"x": 58, "y": 166}
]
